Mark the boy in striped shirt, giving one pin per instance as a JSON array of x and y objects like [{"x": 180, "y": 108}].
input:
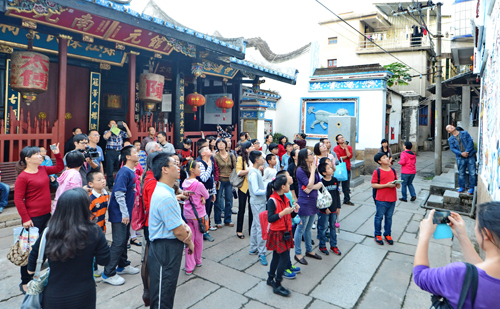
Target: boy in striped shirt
[{"x": 98, "y": 205}]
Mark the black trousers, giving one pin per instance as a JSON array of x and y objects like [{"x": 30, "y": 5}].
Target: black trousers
[
  {"x": 118, "y": 249},
  {"x": 346, "y": 188},
  {"x": 279, "y": 264},
  {"x": 41, "y": 223},
  {"x": 164, "y": 264},
  {"x": 243, "y": 200},
  {"x": 112, "y": 157}
]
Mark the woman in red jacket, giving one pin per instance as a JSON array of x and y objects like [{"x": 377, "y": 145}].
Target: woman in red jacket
[
  {"x": 32, "y": 194},
  {"x": 279, "y": 238},
  {"x": 281, "y": 146}
]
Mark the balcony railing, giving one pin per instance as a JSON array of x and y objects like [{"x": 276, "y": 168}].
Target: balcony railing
[{"x": 398, "y": 43}]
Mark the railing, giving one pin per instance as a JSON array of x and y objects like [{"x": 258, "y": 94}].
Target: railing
[
  {"x": 378, "y": 38},
  {"x": 23, "y": 133}
]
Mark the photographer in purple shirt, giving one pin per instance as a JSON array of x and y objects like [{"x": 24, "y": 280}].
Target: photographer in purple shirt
[{"x": 447, "y": 281}]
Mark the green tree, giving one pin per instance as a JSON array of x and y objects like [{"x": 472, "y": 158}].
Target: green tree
[{"x": 400, "y": 74}]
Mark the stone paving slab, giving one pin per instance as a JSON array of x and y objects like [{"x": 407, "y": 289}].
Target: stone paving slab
[
  {"x": 225, "y": 248},
  {"x": 399, "y": 221},
  {"x": 408, "y": 238},
  {"x": 346, "y": 210},
  {"x": 221, "y": 298},
  {"x": 264, "y": 293},
  {"x": 312, "y": 274},
  {"x": 346, "y": 282},
  {"x": 352, "y": 222},
  {"x": 192, "y": 292},
  {"x": 241, "y": 260},
  {"x": 226, "y": 276},
  {"x": 397, "y": 247},
  {"x": 388, "y": 287},
  {"x": 319, "y": 304},
  {"x": 255, "y": 305},
  {"x": 132, "y": 298},
  {"x": 352, "y": 237}
]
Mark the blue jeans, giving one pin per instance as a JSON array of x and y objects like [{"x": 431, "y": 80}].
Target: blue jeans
[
  {"x": 470, "y": 164},
  {"x": 384, "y": 209},
  {"x": 304, "y": 228},
  {"x": 4, "y": 194},
  {"x": 326, "y": 222},
  {"x": 407, "y": 182},
  {"x": 224, "y": 202}
]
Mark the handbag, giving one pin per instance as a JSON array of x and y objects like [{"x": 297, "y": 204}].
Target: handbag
[
  {"x": 324, "y": 198},
  {"x": 34, "y": 295},
  {"x": 341, "y": 171},
  {"x": 470, "y": 283},
  {"x": 203, "y": 223},
  {"x": 139, "y": 215},
  {"x": 16, "y": 254},
  {"x": 235, "y": 180}
]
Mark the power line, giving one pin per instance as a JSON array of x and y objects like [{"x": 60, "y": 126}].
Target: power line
[{"x": 369, "y": 39}]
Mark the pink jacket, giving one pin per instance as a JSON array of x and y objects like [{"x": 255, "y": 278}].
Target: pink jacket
[
  {"x": 69, "y": 179},
  {"x": 199, "y": 190},
  {"x": 407, "y": 161}
]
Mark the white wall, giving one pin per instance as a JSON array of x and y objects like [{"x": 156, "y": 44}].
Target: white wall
[{"x": 395, "y": 117}]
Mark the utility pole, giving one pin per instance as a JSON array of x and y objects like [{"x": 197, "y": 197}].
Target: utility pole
[{"x": 438, "y": 159}]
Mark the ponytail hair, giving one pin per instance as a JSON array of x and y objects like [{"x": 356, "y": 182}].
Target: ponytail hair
[{"x": 276, "y": 184}]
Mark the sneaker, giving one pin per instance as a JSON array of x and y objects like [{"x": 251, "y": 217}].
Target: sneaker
[
  {"x": 471, "y": 191},
  {"x": 349, "y": 203},
  {"x": 189, "y": 273},
  {"x": 378, "y": 240},
  {"x": 389, "y": 240},
  {"x": 129, "y": 270},
  {"x": 115, "y": 280},
  {"x": 263, "y": 259},
  {"x": 295, "y": 269},
  {"x": 199, "y": 265},
  {"x": 314, "y": 226},
  {"x": 1, "y": 210},
  {"x": 324, "y": 250},
  {"x": 271, "y": 282},
  {"x": 336, "y": 250},
  {"x": 461, "y": 190},
  {"x": 413, "y": 198},
  {"x": 288, "y": 274},
  {"x": 253, "y": 252},
  {"x": 403, "y": 200},
  {"x": 213, "y": 228},
  {"x": 234, "y": 212},
  {"x": 207, "y": 237},
  {"x": 97, "y": 273}
]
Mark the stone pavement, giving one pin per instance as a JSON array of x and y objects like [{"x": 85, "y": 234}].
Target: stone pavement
[{"x": 366, "y": 275}]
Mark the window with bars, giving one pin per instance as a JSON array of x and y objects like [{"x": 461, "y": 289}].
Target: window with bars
[
  {"x": 332, "y": 63},
  {"x": 332, "y": 40},
  {"x": 423, "y": 115}
]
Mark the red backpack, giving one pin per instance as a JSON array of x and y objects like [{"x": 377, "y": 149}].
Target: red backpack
[{"x": 264, "y": 224}]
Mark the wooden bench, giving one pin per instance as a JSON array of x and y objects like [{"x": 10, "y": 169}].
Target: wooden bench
[{"x": 9, "y": 174}]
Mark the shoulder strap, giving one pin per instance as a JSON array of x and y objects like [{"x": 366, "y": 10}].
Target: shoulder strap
[
  {"x": 394, "y": 171},
  {"x": 470, "y": 282},
  {"x": 41, "y": 253},
  {"x": 378, "y": 175}
]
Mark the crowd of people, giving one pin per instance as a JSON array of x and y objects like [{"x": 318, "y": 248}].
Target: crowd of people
[{"x": 169, "y": 197}]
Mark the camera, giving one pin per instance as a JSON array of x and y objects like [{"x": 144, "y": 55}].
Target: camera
[
  {"x": 441, "y": 217},
  {"x": 287, "y": 236},
  {"x": 120, "y": 125},
  {"x": 90, "y": 152}
]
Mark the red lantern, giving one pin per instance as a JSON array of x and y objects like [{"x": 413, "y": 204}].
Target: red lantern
[
  {"x": 224, "y": 102},
  {"x": 195, "y": 100},
  {"x": 29, "y": 74}
]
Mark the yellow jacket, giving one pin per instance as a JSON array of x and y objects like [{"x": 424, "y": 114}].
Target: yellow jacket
[{"x": 239, "y": 167}]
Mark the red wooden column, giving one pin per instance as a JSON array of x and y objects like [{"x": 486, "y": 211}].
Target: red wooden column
[
  {"x": 131, "y": 97},
  {"x": 61, "y": 92}
]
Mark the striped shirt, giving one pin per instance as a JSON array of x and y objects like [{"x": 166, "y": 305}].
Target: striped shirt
[
  {"x": 98, "y": 208},
  {"x": 115, "y": 142},
  {"x": 142, "y": 159},
  {"x": 164, "y": 213}
]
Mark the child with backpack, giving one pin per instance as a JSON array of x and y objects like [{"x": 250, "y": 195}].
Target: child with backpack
[
  {"x": 408, "y": 171},
  {"x": 328, "y": 216},
  {"x": 279, "y": 238},
  {"x": 195, "y": 213},
  {"x": 384, "y": 183}
]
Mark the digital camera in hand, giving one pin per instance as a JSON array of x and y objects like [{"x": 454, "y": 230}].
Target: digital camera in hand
[
  {"x": 441, "y": 217},
  {"x": 90, "y": 152}
]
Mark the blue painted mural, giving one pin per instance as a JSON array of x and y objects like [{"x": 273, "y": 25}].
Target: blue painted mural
[{"x": 348, "y": 85}]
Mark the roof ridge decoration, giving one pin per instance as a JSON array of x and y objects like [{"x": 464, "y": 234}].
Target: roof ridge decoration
[{"x": 268, "y": 54}]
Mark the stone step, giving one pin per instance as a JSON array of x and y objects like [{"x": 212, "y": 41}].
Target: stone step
[
  {"x": 435, "y": 201},
  {"x": 451, "y": 197}
]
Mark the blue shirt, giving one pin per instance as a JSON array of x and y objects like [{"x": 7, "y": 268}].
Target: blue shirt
[
  {"x": 124, "y": 182},
  {"x": 284, "y": 161},
  {"x": 142, "y": 159},
  {"x": 164, "y": 213}
]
